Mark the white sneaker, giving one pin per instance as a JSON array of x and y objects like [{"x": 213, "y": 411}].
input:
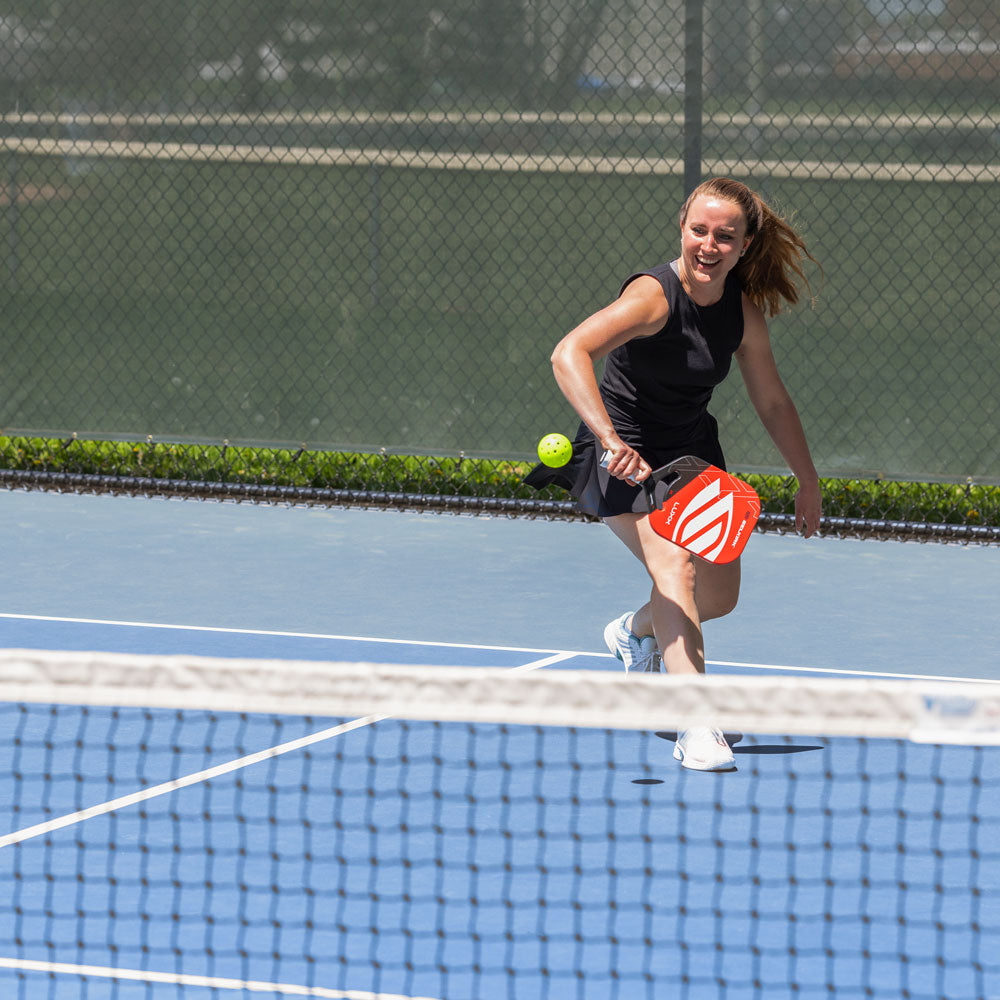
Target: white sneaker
[
  {"x": 636, "y": 652},
  {"x": 704, "y": 749}
]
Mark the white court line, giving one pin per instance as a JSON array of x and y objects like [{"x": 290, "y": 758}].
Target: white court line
[
  {"x": 70, "y": 819},
  {"x": 293, "y": 635},
  {"x": 28, "y": 833},
  {"x": 835, "y": 671},
  {"x": 208, "y": 982},
  {"x": 843, "y": 672}
]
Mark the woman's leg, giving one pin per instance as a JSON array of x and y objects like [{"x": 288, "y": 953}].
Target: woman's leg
[{"x": 686, "y": 591}]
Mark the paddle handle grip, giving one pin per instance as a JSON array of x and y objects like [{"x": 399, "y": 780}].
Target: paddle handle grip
[
  {"x": 649, "y": 483},
  {"x": 606, "y": 461}
]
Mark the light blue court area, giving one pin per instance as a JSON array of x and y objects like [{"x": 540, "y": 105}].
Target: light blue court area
[
  {"x": 147, "y": 855},
  {"x": 900, "y": 608}
]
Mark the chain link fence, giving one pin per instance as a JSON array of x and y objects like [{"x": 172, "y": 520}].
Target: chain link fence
[{"x": 299, "y": 227}]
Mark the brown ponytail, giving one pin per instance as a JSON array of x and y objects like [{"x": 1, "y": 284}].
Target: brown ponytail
[{"x": 772, "y": 267}]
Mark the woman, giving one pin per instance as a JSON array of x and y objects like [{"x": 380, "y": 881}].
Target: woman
[{"x": 668, "y": 340}]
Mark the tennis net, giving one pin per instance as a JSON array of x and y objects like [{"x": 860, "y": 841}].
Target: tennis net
[{"x": 187, "y": 827}]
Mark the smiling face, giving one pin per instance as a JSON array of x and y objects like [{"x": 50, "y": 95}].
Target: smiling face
[{"x": 713, "y": 235}]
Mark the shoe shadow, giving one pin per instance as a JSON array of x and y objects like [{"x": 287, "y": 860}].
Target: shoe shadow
[{"x": 756, "y": 749}]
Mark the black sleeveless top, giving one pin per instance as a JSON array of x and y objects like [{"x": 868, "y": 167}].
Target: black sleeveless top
[{"x": 657, "y": 390}]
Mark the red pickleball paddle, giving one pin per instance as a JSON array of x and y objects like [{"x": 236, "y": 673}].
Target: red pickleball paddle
[{"x": 702, "y": 508}]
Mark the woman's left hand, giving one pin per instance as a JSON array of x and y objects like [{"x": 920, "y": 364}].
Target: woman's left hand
[{"x": 808, "y": 508}]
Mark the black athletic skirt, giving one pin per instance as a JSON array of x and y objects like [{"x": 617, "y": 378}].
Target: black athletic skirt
[{"x": 602, "y": 495}]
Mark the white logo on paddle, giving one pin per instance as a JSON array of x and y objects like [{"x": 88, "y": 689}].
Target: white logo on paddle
[{"x": 704, "y": 524}]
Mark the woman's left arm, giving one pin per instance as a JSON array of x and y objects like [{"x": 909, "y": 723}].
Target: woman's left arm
[{"x": 778, "y": 414}]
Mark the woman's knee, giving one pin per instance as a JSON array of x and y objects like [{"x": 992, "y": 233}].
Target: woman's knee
[
  {"x": 718, "y": 590},
  {"x": 718, "y": 605},
  {"x": 673, "y": 572}
]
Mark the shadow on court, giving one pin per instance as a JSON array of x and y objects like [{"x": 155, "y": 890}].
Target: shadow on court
[{"x": 753, "y": 749}]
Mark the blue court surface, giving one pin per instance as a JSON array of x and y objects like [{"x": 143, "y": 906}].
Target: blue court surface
[{"x": 404, "y": 869}]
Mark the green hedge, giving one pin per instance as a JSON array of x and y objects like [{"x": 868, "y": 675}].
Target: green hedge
[{"x": 927, "y": 503}]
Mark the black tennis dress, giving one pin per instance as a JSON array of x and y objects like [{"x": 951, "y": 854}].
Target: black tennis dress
[{"x": 657, "y": 390}]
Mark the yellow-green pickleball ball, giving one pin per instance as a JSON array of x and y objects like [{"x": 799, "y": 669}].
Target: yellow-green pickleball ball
[{"x": 555, "y": 450}]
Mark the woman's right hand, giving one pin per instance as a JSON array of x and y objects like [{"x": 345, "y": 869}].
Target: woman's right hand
[{"x": 624, "y": 462}]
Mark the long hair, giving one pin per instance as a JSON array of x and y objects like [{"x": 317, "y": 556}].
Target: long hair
[{"x": 771, "y": 269}]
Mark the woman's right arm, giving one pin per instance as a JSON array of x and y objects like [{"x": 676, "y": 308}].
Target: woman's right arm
[{"x": 641, "y": 311}]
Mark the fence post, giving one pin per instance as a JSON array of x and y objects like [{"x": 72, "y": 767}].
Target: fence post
[
  {"x": 375, "y": 234},
  {"x": 756, "y": 74},
  {"x": 694, "y": 48}
]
